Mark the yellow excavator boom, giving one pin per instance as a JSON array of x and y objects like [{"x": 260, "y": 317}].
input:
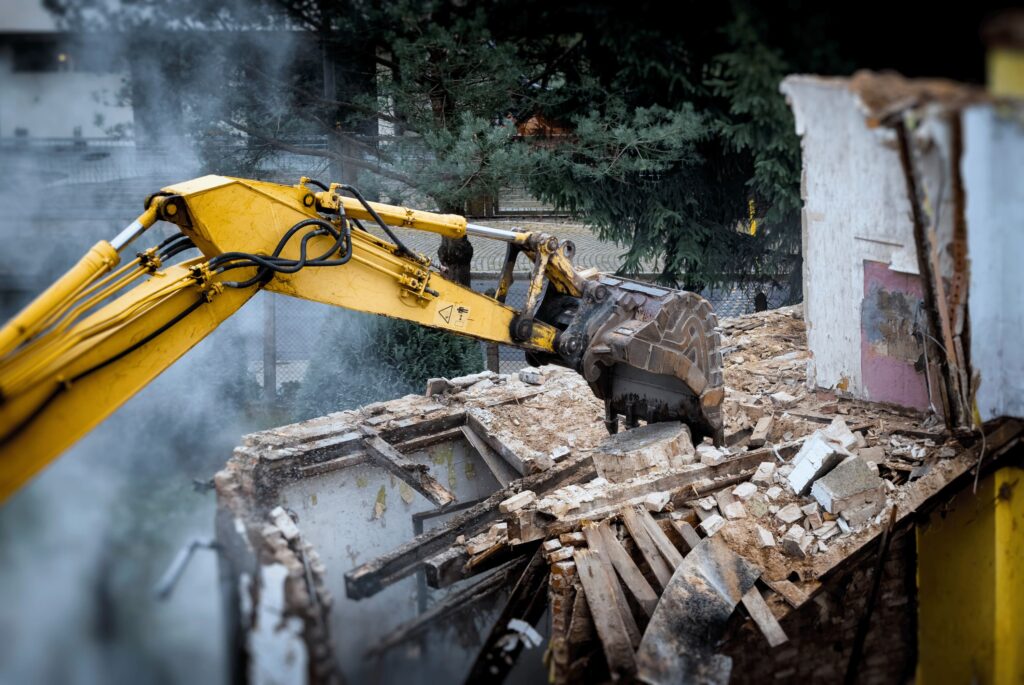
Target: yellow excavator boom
[{"x": 103, "y": 331}]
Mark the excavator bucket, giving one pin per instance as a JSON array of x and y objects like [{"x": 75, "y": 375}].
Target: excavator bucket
[{"x": 651, "y": 353}]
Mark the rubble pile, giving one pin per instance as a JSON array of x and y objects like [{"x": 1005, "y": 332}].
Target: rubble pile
[{"x": 642, "y": 544}]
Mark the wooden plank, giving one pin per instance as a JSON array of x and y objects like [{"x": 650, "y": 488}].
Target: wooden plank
[
  {"x": 790, "y": 592},
  {"x": 453, "y": 605},
  {"x": 414, "y": 474},
  {"x": 665, "y": 546},
  {"x": 618, "y": 650},
  {"x": 647, "y": 547},
  {"x": 686, "y": 532},
  {"x": 601, "y": 537},
  {"x": 500, "y": 469},
  {"x": 628, "y": 620},
  {"x": 527, "y": 603},
  {"x": 370, "y": 578},
  {"x": 763, "y": 617}
]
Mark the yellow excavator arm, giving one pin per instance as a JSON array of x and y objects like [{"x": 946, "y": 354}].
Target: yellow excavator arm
[{"x": 105, "y": 330}]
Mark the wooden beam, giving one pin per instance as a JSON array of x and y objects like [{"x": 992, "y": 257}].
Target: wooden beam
[
  {"x": 763, "y": 617},
  {"x": 416, "y": 475},
  {"x": 454, "y": 604},
  {"x": 665, "y": 546},
  {"x": 527, "y": 603},
  {"x": 611, "y": 630},
  {"x": 492, "y": 441},
  {"x": 601, "y": 538},
  {"x": 648, "y": 548},
  {"x": 370, "y": 578},
  {"x": 686, "y": 532}
]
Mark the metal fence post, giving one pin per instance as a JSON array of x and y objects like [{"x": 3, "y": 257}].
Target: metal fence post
[{"x": 269, "y": 349}]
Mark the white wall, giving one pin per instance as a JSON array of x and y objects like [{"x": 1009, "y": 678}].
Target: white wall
[
  {"x": 52, "y": 104},
  {"x": 855, "y": 209},
  {"x": 993, "y": 173}
]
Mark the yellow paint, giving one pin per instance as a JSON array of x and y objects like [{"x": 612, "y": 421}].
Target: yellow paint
[
  {"x": 1006, "y": 72},
  {"x": 970, "y": 561},
  {"x": 380, "y": 505},
  {"x": 92, "y": 316}
]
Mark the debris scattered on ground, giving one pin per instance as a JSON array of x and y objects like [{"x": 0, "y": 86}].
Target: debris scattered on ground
[{"x": 617, "y": 532}]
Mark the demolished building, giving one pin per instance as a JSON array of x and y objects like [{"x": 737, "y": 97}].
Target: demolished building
[{"x": 859, "y": 520}]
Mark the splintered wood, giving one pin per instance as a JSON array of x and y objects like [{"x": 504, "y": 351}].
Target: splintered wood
[{"x": 641, "y": 546}]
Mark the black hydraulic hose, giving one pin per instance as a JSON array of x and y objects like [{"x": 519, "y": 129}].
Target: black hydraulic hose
[
  {"x": 62, "y": 387},
  {"x": 402, "y": 249},
  {"x": 317, "y": 183}
]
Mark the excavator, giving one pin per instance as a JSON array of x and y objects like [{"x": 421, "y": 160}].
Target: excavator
[{"x": 105, "y": 328}]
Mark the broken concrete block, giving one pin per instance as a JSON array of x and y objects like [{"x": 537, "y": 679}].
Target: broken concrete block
[
  {"x": 810, "y": 508},
  {"x": 559, "y": 452},
  {"x": 838, "y": 431},
  {"x": 710, "y": 455},
  {"x": 816, "y": 457},
  {"x": 641, "y": 451},
  {"x": 284, "y": 523},
  {"x": 796, "y": 542},
  {"x": 657, "y": 501},
  {"x": 735, "y": 510},
  {"x": 757, "y": 506},
  {"x": 744, "y": 491},
  {"x": 875, "y": 454},
  {"x": 844, "y": 527},
  {"x": 860, "y": 441},
  {"x": 850, "y": 487},
  {"x": 773, "y": 492},
  {"x": 753, "y": 411},
  {"x": 947, "y": 453},
  {"x": 813, "y": 521},
  {"x": 783, "y": 399},
  {"x": 517, "y": 501},
  {"x": 759, "y": 436},
  {"x": 551, "y": 545},
  {"x": 531, "y": 376},
  {"x": 790, "y": 513},
  {"x": 763, "y": 537},
  {"x": 827, "y": 530},
  {"x": 437, "y": 386},
  {"x": 707, "y": 503},
  {"x": 763, "y": 474},
  {"x": 712, "y": 524}
]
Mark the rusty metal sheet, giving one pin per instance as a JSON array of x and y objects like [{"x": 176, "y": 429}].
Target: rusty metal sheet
[{"x": 680, "y": 641}]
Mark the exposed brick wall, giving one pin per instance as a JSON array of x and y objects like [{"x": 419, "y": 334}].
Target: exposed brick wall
[{"x": 821, "y": 632}]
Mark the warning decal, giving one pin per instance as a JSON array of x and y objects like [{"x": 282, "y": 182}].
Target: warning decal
[{"x": 454, "y": 315}]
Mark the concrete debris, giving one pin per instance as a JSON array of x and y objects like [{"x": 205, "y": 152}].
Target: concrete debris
[
  {"x": 764, "y": 474},
  {"x": 816, "y": 458},
  {"x": 783, "y": 399},
  {"x": 710, "y": 455},
  {"x": 657, "y": 501},
  {"x": 735, "y": 510},
  {"x": 760, "y": 433},
  {"x": 785, "y": 495},
  {"x": 532, "y": 376},
  {"x": 764, "y": 537},
  {"x": 850, "y": 490},
  {"x": 654, "y": 448},
  {"x": 744, "y": 491},
  {"x": 796, "y": 542},
  {"x": 790, "y": 513},
  {"x": 284, "y": 523},
  {"x": 712, "y": 524},
  {"x": 517, "y": 501}
]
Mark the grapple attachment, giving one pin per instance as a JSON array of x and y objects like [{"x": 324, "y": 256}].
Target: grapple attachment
[{"x": 650, "y": 353}]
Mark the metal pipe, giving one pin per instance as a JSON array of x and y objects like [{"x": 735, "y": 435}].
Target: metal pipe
[
  {"x": 494, "y": 233},
  {"x": 134, "y": 229}
]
